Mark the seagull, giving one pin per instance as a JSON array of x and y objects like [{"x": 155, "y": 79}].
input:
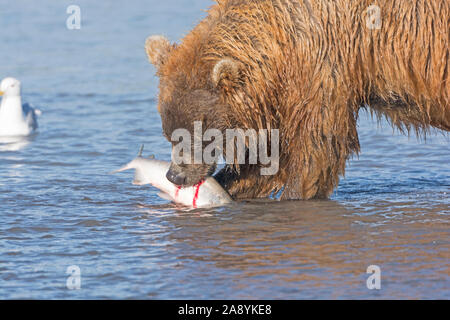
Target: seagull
[{"x": 16, "y": 119}]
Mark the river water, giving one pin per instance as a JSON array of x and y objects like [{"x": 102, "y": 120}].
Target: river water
[{"x": 60, "y": 207}]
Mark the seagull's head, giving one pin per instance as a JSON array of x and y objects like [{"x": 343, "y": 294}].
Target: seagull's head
[{"x": 10, "y": 87}]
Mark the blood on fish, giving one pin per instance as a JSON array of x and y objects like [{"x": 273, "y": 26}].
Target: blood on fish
[{"x": 194, "y": 201}]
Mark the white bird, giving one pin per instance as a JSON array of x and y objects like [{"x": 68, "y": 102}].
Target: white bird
[{"x": 16, "y": 119}]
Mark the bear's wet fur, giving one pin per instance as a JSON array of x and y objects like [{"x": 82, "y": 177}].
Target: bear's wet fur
[{"x": 305, "y": 67}]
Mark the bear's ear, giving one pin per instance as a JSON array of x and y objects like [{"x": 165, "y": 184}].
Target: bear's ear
[
  {"x": 158, "y": 49},
  {"x": 226, "y": 72}
]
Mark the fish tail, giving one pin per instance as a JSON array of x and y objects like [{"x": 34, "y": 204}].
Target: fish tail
[{"x": 124, "y": 168}]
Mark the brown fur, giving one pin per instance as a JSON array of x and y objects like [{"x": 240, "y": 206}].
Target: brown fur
[{"x": 306, "y": 68}]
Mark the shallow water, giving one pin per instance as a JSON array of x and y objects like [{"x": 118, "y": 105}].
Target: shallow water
[{"x": 59, "y": 206}]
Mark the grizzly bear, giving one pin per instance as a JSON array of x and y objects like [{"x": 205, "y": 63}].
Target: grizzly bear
[{"x": 305, "y": 67}]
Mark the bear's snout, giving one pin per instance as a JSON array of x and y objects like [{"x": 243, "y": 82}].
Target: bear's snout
[
  {"x": 187, "y": 175},
  {"x": 176, "y": 178}
]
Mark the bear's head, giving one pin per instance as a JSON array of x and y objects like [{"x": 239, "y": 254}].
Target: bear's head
[{"x": 189, "y": 98}]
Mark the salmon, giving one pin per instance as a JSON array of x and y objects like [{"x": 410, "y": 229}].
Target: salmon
[{"x": 207, "y": 193}]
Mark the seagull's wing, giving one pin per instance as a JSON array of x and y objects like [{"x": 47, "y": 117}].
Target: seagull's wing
[{"x": 28, "y": 107}]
